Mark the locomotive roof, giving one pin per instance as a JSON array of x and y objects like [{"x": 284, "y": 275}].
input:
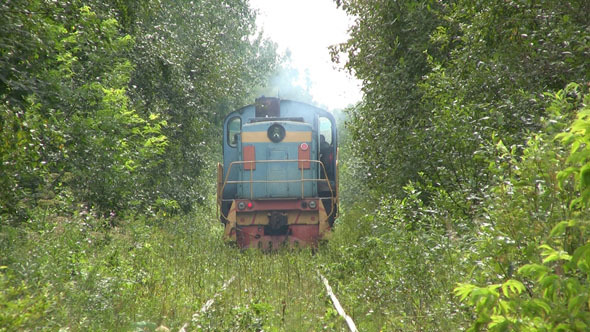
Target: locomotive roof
[{"x": 316, "y": 109}]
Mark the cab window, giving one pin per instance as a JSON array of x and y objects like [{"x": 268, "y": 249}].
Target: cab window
[
  {"x": 234, "y": 127},
  {"x": 326, "y": 129}
]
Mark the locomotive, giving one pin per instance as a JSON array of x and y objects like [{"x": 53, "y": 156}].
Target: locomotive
[{"x": 278, "y": 184}]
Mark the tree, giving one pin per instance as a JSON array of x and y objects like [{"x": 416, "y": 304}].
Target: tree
[
  {"x": 443, "y": 81},
  {"x": 386, "y": 50},
  {"x": 194, "y": 60},
  {"x": 112, "y": 104},
  {"x": 67, "y": 115}
]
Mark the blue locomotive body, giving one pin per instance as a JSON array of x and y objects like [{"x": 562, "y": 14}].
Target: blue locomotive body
[{"x": 278, "y": 181}]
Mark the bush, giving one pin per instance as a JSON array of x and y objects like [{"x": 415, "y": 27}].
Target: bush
[{"x": 537, "y": 209}]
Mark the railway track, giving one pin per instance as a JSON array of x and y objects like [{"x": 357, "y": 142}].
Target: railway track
[
  {"x": 337, "y": 305},
  {"x": 209, "y": 303},
  {"x": 335, "y": 302}
]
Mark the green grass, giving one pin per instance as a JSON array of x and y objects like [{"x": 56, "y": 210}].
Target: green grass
[
  {"x": 77, "y": 273},
  {"x": 81, "y": 273},
  {"x": 271, "y": 291}
]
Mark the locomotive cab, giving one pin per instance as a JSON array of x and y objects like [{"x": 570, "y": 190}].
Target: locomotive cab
[{"x": 278, "y": 182}]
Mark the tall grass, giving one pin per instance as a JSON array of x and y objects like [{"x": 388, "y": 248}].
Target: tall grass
[{"x": 81, "y": 273}]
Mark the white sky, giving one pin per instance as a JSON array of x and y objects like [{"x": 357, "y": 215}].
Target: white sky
[{"x": 307, "y": 28}]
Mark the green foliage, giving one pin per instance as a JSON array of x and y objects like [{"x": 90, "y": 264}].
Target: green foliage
[
  {"x": 386, "y": 51},
  {"x": 251, "y": 317},
  {"x": 73, "y": 119},
  {"x": 441, "y": 80},
  {"x": 578, "y": 139},
  {"x": 77, "y": 273},
  {"x": 456, "y": 133},
  {"x": 501, "y": 60},
  {"x": 396, "y": 265},
  {"x": 352, "y": 172},
  {"x": 530, "y": 215},
  {"x": 85, "y": 276},
  {"x": 557, "y": 293},
  {"x": 450, "y": 169},
  {"x": 521, "y": 208},
  {"x": 21, "y": 307},
  {"x": 115, "y": 103},
  {"x": 194, "y": 61}
]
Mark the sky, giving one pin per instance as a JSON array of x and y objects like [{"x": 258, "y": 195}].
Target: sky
[{"x": 307, "y": 28}]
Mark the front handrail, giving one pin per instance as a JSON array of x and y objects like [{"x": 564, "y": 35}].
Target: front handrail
[
  {"x": 302, "y": 179},
  {"x": 251, "y": 181}
]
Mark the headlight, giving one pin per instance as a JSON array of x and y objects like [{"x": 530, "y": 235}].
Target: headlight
[{"x": 312, "y": 204}]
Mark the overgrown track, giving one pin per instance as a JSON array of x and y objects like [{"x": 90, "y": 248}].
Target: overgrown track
[
  {"x": 197, "y": 317},
  {"x": 279, "y": 290},
  {"x": 177, "y": 274},
  {"x": 337, "y": 304},
  {"x": 208, "y": 304}
]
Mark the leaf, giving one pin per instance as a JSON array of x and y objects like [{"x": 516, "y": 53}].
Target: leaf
[
  {"x": 552, "y": 255},
  {"x": 585, "y": 196},
  {"x": 581, "y": 258},
  {"x": 565, "y": 174},
  {"x": 576, "y": 303},
  {"x": 514, "y": 286},
  {"x": 504, "y": 306},
  {"x": 536, "y": 271},
  {"x": 540, "y": 303},
  {"x": 559, "y": 229},
  {"x": 464, "y": 290},
  {"x": 565, "y": 137},
  {"x": 562, "y": 327},
  {"x": 548, "y": 281},
  {"x": 585, "y": 176},
  {"x": 499, "y": 323}
]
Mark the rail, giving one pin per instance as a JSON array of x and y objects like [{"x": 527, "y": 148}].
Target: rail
[
  {"x": 207, "y": 304},
  {"x": 337, "y": 305}
]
